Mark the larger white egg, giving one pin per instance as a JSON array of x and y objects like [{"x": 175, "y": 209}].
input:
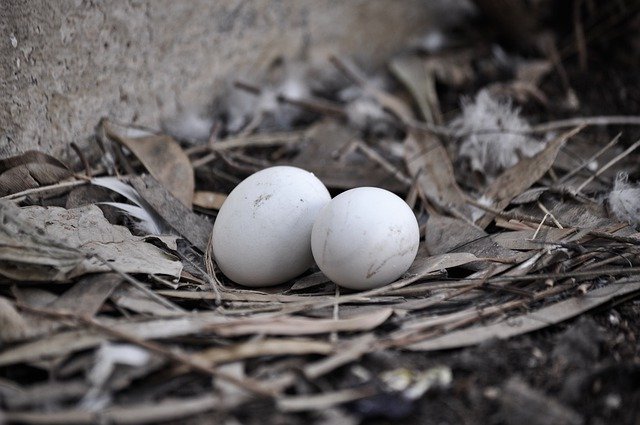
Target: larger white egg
[
  {"x": 262, "y": 234},
  {"x": 365, "y": 238}
]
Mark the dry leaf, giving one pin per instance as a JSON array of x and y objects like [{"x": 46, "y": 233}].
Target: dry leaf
[
  {"x": 428, "y": 162},
  {"x": 515, "y": 180},
  {"x": 56, "y": 244},
  {"x": 448, "y": 235},
  {"x": 425, "y": 264},
  {"x": 184, "y": 221},
  {"x": 29, "y": 170},
  {"x": 419, "y": 80},
  {"x": 164, "y": 159},
  {"x": 86, "y": 297}
]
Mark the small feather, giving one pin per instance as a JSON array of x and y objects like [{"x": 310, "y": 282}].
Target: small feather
[
  {"x": 146, "y": 223},
  {"x": 149, "y": 221}
]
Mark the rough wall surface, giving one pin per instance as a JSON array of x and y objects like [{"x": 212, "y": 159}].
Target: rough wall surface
[{"x": 65, "y": 64}]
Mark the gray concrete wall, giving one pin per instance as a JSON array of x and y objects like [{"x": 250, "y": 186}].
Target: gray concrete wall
[{"x": 65, "y": 64}]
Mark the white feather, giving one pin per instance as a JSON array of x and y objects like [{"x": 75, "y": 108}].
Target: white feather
[
  {"x": 146, "y": 223},
  {"x": 624, "y": 200},
  {"x": 492, "y": 135},
  {"x": 149, "y": 220}
]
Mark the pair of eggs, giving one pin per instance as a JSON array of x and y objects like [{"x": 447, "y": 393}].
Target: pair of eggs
[{"x": 276, "y": 222}]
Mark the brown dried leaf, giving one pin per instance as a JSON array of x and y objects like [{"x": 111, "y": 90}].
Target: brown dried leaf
[
  {"x": 419, "y": 80},
  {"x": 84, "y": 298},
  {"x": 515, "y": 180},
  {"x": 29, "y": 170},
  {"x": 67, "y": 242},
  {"x": 448, "y": 235},
  {"x": 184, "y": 221},
  {"x": 164, "y": 159},
  {"x": 428, "y": 162},
  {"x": 425, "y": 264}
]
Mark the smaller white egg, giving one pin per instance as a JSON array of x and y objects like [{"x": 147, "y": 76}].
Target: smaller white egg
[
  {"x": 365, "y": 238},
  {"x": 262, "y": 234}
]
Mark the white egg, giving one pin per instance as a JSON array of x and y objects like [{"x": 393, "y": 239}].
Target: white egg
[
  {"x": 262, "y": 234},
  {"x": 365, "y": 238}
]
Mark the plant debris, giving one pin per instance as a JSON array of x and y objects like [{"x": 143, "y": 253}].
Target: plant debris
[{"x": 112, "y": 308}]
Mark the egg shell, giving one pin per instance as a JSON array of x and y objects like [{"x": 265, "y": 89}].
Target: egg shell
[
  {"x": 262, "y": 234},
  {"x": 365, "y": 238}
]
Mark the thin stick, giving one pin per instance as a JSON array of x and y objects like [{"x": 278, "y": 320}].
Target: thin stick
[
  {"x": 176, "y": 357},
  {"x": 547, "y": 212},
  {"x": 535, "y": 234},
  {"x": 601, "y": 120},
  {"x": 608, "y": 165},
  {"x": 204, "y": 160},
  {"x": 61, "y": 185}
]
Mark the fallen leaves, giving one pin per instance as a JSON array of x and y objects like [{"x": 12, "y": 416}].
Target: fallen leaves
[{"x": 164, "y": 159}]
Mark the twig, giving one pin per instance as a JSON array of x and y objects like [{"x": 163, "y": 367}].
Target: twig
[
  {"x": 180, "y": 358},
  {"x": 61, "y": 185},
  {"x": 547, "y": 212},
  {"x": 586, "y": 121},
  {"x": 535, "y": 234}
]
